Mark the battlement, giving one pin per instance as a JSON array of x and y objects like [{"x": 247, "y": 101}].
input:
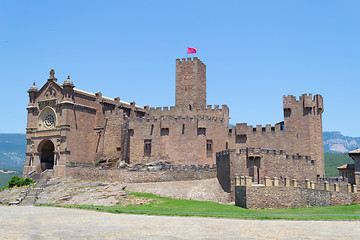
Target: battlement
[
  {"x": 261, "y": 152},
  {"x": 179, "y": 118},
  {"x": 167, "y": 110},
  {"x": 189, "y": 61},
  {"x": 172, "y": 167},
  {"x": 244, "y": 129},
  {"x": 178, "y": 112},
  {"x": 307, "y": 100}
]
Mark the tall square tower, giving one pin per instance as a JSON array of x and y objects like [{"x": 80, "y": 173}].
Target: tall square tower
[{"x": 190, "y": 84}]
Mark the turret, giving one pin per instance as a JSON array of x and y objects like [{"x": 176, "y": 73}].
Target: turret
[
  {"x": 33, "y": 90},
  {"x": 68, "y": 87}
]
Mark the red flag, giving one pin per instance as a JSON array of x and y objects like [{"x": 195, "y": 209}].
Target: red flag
[{"x": 191, "y": 50}]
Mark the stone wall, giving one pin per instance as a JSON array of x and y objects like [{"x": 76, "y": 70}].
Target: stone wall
[
  {"x": 185, "y": 140},
  {"x": 290, "y": 197},
  {"x": 259, "y": 163},
  {"x": 178, "y": 173},
  {"x": 243, "y": 135}
]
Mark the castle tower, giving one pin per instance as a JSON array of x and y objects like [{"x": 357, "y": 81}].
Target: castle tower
[
  {"x": 190, "y": 84},
  {"x": 303, "y": 128}
]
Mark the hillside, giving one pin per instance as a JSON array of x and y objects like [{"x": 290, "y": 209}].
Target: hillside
[
  {"x": 336, "y": 142},
  {"x": 12, "y": 156},
  {"x": 12, "y": 151},
  {"x": 334, "y": 160}
]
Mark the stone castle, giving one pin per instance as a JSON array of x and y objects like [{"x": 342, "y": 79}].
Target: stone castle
[{"x": 68, "y": 127}]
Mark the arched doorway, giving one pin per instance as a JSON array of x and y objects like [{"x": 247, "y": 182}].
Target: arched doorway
[{"x": 46, "y": 153}]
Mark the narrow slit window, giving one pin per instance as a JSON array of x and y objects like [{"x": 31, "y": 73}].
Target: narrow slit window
[
  {"x": 147, "y": 147},
  {"x": 209, "y": 148}
]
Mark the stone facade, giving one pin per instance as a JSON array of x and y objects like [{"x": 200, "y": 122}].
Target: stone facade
[
  {"x": 291, "y": 197},
  {"x": 69, "y": 127}
]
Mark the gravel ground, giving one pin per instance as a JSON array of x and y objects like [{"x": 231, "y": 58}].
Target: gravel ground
[{"x": 59, "y": 223}]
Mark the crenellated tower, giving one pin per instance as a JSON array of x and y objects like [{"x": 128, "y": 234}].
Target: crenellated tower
[
  {"x": 303, "y": 127},
  {"x": 190, "y": 84}
]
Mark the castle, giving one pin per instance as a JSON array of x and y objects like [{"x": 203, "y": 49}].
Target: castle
[{"x": 70, "y": 127}]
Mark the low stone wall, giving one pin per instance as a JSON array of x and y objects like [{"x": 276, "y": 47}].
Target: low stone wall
[
  {"x": 290, "y": 197},
  {"x": 124, "y": 175}
]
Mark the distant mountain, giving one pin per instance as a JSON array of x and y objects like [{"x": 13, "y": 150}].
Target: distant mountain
[
  {"x": 12, "y": 151},
  {"x": 335, "y": 142}
]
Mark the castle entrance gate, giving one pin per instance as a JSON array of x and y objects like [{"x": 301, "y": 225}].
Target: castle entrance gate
[{"x": 46, "y": 154}]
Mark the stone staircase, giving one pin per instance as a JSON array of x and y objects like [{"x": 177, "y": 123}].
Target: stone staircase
[{"x": 34, "y": 192}]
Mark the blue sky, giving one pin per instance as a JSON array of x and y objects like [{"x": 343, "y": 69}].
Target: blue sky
[{"x": 255, "y": 52}]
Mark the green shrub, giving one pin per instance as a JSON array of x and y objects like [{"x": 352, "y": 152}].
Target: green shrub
[{"x": 18, "y": 181}]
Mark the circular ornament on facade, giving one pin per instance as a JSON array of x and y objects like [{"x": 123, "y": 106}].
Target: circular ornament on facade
[{"x": 49, "y": 121}]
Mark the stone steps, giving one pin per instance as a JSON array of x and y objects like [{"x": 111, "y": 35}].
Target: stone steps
[{"x": 31, "y": 197}]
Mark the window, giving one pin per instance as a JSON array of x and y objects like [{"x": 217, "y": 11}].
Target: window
[
  {"x": 118, "y": 149},
  {"x": 131, "y": 132},
  {"x": 287, "y": 112},
  {"x": 201, "y": 131},
  {"x": 164, "y": 132},
  {"x": 227, "y": 145},
  {"x": 183, "y": 129},
  {"x": 47, "y": 119},
  {"x": 241, "y": 138},
  {"x": 152, "y": 129},
  {"x": 147, "y": 147},
  {"x": 209, "y": 148}
]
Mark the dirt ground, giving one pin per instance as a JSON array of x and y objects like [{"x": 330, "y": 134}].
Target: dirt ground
[{"x": 58, "y": 223}]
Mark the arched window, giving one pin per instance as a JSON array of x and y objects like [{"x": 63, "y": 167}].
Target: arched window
[{"x": 47, "y": 119}]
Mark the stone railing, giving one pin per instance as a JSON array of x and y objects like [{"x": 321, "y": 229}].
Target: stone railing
[{"x": 286, "y": 182}]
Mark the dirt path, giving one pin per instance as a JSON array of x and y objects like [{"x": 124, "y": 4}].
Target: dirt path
[{"x": 59, "y": 223}]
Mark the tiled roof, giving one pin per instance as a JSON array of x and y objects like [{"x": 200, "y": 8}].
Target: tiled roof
[{"x": 347, "y": 166}]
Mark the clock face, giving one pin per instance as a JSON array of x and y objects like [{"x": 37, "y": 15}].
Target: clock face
[{"x": 49, "y": 121}]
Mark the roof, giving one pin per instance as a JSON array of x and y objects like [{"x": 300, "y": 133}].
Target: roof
[
  {"x": 107, "y": 98},
  {"x": 82, "y": 92},
  {"x": 356, "y": 151},
  {"x": 347, "y": 166}
]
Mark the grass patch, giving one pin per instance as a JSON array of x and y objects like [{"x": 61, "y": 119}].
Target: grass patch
[{"x": 180, "y": 207}]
